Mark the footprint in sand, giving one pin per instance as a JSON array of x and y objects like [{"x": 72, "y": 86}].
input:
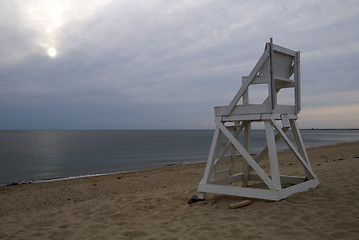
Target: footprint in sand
[
  {"x": 119, "y": 216},
  {"x": 135, "y": 234}
]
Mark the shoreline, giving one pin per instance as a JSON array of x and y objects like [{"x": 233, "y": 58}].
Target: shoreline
[
  {"x": 136, "y": 169},
  {"x": 152, "y": 204},
  {"x": 95, "y": 174}
]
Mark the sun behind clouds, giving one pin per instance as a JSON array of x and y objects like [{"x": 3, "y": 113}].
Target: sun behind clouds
[{"x": 52, "y": 52}]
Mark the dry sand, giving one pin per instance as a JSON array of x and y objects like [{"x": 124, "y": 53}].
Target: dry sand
[{"x": 151, "y": 204}]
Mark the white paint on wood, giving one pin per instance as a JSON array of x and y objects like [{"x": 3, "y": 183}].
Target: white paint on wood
[
  {"x": 247, "y": 139},
  {"x": 255, "y": 109},
  {"x": 253, "y": 117},
  {"x": 211, "y": 156},
  {"x": 285, "y": 120},
  {"x": 231, "y": 179},
  {"x": 297, "y": 81},
  {"x": 283, "y": 178},
  {"x": 283, "y": 50},
  {"x": 239, "y": 191},
  {"x": 276, "y": 67},
  {"x": 272, "y": 152}
]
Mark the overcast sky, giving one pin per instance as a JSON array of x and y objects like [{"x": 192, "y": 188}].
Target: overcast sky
[{"x": 165, "y": 64}]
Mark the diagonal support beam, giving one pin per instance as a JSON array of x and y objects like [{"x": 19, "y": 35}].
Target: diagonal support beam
[
  {"x": 246, "y": 84},
  {"x": 298, "y": 139},
  {"x": 293, "y": 148},
  {"x": 229, "y": 144},
  {"x": 299, "y": 143},
  {"x": 246, "y": 156},
  {"x": 211, "y": 156}
]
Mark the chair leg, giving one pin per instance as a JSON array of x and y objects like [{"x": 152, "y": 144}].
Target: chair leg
[{"x": 272, "y": 152}]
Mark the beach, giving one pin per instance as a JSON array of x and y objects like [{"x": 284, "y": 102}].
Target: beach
[{"x": 152, "y": 204}]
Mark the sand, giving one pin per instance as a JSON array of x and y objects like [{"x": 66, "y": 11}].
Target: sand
[{"x": 151, "y": 204}]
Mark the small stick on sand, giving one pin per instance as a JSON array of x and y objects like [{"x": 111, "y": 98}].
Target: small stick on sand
[{"x": 240, "y": 204}]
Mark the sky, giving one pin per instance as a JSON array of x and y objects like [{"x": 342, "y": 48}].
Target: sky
[{"x": 166, "y": 64}]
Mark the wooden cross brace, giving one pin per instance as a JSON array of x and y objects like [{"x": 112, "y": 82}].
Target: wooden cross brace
[{"x": 273, "y": 180}]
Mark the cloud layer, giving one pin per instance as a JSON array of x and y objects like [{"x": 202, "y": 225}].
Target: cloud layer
[{"x": 165, "y": 64}]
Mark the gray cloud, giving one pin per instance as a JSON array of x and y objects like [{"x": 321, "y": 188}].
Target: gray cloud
[{"x": 162, "y": 64}]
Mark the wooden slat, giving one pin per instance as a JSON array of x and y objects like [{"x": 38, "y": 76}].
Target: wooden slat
[
  {"x": 274, "y": 195},
  {"x": 281, "y": 84},
  {"x": 297, "y": 81},
  {"x": 283, "y": 178},
  {"x": 298, "y": 139},
  {"x": 255, "y": 109},
  {"x": 251, "y": 117},
  {"x": 247, "y": 141},
  {"x": 301, "y": 187},
  {"x": 272, "y": 94},
  {"x": 242, "y": 110},
  {"x": 279, "y": 79},
  {"x": 263, "y": 79},
  {"x": 300, "y": 146},
  {"x": 240, "y": 191},
  {"x": 228, "y": 180},
  {"x": 254, "y": 117},
  {"x": 285, "y": 109},
  {"x": 284, "y": 50},
  {"x": 222, "y": 173}
]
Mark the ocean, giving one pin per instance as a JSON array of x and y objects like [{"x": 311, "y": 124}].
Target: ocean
[{"x": 27, "y": 156}]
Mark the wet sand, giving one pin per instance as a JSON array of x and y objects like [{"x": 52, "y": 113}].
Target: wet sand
[{"x": 152, "y": 204}]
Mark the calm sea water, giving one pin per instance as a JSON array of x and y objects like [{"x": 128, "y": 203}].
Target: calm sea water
[{"x": 35, "y": 155}]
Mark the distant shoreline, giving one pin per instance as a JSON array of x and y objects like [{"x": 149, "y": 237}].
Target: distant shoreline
[
  {"x": 209, "y": 129},
  {"x": 329, "y": 129}
]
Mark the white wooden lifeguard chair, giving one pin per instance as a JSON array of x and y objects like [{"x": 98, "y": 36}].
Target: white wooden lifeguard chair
[{"x": 278, "y": 68}]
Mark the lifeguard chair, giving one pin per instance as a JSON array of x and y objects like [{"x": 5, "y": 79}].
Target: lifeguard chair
[{"x": 278, "y": 68}]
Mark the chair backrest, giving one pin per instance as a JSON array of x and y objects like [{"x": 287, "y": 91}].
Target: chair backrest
[
  {"x": 278, "y": 67},
  {"x": 282, "y": 65}
]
